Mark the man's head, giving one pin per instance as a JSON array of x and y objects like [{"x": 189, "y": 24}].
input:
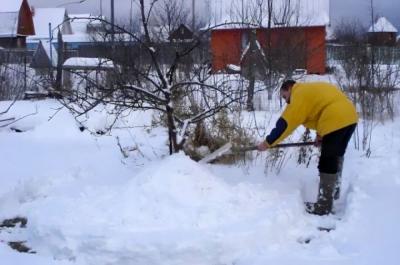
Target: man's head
[{"x": 286, "y": 89}]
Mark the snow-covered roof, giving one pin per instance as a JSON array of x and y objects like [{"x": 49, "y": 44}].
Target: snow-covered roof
[
  {"x": 9, "y": 24},
  {"x": 382, "y": 25},
  {"x": 10, "y": 5},
  {"x": 88, "y": 63},
  {"x": 298, "y": 13},
  {"x": 9, "y": 12},
  {"x": 50, "y": 51},
  {"x": 43, "y": 16},
  {"x": 80, "y": 22}
]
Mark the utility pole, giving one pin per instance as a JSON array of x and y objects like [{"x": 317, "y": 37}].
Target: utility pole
[
  {"x": 112, "y": 23},
  {"x": 50, "y": 47},
  {"x": 193, "y": 15},
  {"x": 242, "y": 12}
]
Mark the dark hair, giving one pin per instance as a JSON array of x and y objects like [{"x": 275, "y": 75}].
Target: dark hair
[{"x": 287, "y": 84}]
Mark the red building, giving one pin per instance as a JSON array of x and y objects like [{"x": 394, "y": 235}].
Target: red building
[{"x": 294, "y": 47}]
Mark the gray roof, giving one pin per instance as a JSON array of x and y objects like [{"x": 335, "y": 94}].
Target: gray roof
[{"x": 9, "y": 24}]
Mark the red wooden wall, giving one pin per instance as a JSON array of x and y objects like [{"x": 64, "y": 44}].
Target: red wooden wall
[{"x": 227, "y": 47}]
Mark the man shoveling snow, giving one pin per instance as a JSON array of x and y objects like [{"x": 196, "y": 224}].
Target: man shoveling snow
[{"x": 324, "y": 108}]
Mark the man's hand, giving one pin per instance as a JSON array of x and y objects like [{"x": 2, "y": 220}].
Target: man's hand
[
  {"x": 318, "y": 141},
  {"x": 262, "y": 146}
]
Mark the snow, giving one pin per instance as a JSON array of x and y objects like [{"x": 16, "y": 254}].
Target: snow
[
  {"x": 303, "y": 12},
  {"x": 92, "y": 63},
  {"x": 88, "y": 204},
  {"x": 382, "y": 25},
  {"x": 234, "y": 67}
]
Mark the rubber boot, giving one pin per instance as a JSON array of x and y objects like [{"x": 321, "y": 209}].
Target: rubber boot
[
  {"x": 336, "y": 192},
  {"x": 324, "y": 204}
]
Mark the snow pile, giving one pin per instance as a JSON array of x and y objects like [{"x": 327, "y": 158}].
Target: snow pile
[{"x": 88, "y": 204}]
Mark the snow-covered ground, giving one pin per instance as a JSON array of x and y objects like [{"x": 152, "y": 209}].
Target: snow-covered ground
[{"x": 88, "y": 204}]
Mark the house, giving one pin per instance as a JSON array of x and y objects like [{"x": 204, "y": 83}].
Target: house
[
  {"x": 48, "y": 21},
  {"x": 295, "y": 41},
  {"x": 181, "y": 34},
  {"x": 97, "y": 72},
  {"x": 16, "y": 23},
  {"x": 382, "y": 33}
]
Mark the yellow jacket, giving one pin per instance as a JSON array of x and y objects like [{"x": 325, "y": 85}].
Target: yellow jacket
[{"x": 319, "y": 106}]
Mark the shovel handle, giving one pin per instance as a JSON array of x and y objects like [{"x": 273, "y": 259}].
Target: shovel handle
[{"x": 254, "y": 147}]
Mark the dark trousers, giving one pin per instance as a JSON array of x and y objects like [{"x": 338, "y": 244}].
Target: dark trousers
[{"x": 334, "y": 146}]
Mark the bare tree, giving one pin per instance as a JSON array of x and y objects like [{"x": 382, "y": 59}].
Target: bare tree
[
  {"x": 349, "y": 31},
  {"x": 153, "y": 85},
  {"x": 169, "y": 14},
  {"x": 267, "y": 62},
  {"x": 371, "y": 78}
]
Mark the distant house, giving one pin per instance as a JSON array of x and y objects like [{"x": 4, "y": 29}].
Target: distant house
[
  {"x": 98, "y": 70},
  {"x": 48, "y": 21},
  {"x": 181, "y": 34},
  {"x": 382, "y": 33},
  {"x": 15, "y": 23}
]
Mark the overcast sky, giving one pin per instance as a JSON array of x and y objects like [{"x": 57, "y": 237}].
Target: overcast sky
[{"x": 359, "y": 9}]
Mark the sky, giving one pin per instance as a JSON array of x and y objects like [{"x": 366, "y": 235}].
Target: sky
[{"x": 340, "y": 9}]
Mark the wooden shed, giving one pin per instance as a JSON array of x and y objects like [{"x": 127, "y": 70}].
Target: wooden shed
[
  {"x": 382, "y": 33},
  {"x": 181, "y": 34},
  {"x": 290, "y": 47}
]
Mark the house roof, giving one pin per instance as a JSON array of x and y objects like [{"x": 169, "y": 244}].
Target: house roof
[
  {"x": 45, "y": 55},
  {"x": 382, "y": 25},
  {"x": 83, "y": 63},
  {"x": 299, "y": 13},
  {"x": 51, "y": 52},
  {"x": 9, "y": 12},
  {"x": 44, "y": 16},
  {"x": 9, "y": 24},
  {"x": 10, "y": 6},
  {"x": 80, "y": 22}
]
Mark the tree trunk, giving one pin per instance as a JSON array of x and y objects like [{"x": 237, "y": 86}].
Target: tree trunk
[
  {"x": 60, "y": 61},
  {"x": 250, "y": 92},
  {"x": 173, "y": 144}
]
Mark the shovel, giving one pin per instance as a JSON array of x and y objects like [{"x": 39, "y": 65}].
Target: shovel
[{"x": 228, "y": 148}]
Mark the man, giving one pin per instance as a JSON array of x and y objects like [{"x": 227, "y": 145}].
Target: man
[{"x": 324, "y": 108}]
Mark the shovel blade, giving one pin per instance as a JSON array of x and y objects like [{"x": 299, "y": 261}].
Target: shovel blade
[{"x": 217, "y": 153}]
